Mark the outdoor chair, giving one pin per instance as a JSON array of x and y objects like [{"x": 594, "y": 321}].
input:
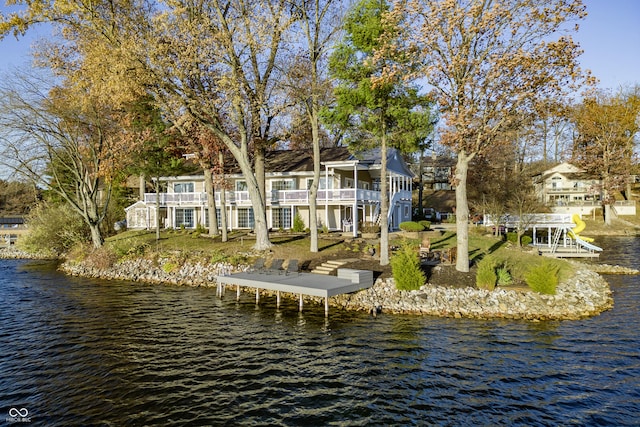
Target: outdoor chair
[
  {"x": 276, "y": 266},
  {"x": 292, "y": 267},
  {"x": 258, "y": 266},
  {"x": 425, "y": 247}
]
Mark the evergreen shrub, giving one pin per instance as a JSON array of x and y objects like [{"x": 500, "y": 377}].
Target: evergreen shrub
[
  {"x": 298, "y": 223},
  {"x": 543, "y": 278},
  {"x": 504, "y": 276},
  {"x": 411, "y": 226},
  {"x": 406, "y": 270},
  {"x": 486, "y": 277},
  {"x": 426, "y": 224}
]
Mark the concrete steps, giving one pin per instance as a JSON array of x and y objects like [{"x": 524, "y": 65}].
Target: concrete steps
[{"x": 328, "y": 267}]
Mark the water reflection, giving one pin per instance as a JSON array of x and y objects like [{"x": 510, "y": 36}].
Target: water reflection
[{"x": 86, "y": 352}]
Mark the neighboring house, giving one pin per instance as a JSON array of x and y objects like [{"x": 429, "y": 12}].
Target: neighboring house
[
  {"x": 10, "y": 229},
  {"x": 437, "y": 172},
  {"x": 349, "y": 192},
  {"x": 566, "y": 188}
]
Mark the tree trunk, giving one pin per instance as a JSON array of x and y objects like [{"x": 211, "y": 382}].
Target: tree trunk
[
  {"x": 313, "y": 191},
  {"x": 384, "y": 200},
  {"x": 607, "y": 214},
  {"x": 462, "y": 212},
  {"x": 223, "y": 202},
  {"x": 96, "y": 235},
  {"x": 260, "y": 172},
  {"x": 157, "y": 208},
  {"x": 211, "y": 202},
  {"x": 257, "y": 200}
]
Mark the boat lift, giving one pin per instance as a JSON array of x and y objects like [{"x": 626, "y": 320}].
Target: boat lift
[{"x": 561, "y": 239}]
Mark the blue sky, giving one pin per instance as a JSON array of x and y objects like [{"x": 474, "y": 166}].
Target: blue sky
[{"x": 609, "y": 36}]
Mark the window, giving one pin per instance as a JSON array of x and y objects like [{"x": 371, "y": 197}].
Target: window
[
  {"x": 281, "y": 218},
  {"x": 206, "y": 218},
  {"x": 245, "y": 218},
  {"x": 241, "y": 186},
  {"x": 183, "y": 187},
  {"x": 322, "y": 185},
  {"x": 184, "y": 217},
  {"x": 282, "y": 184},
  {"x": 348, "y": 183}
]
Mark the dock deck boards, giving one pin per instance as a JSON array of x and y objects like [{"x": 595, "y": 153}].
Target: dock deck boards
[
  {"x": 318, "y": 285},
  {"x": 297, "y": 283}
]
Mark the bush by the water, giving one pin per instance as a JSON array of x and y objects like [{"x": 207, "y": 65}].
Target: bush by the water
[
  {"x": 426, "y": 224},
  {"x": 53, "y": 229},
  {"x": 486, "y": 277},
  {"x": 411, "y": 226},
  {"x": 406, "y": 270},
  {"x": 543, "y": 278}
]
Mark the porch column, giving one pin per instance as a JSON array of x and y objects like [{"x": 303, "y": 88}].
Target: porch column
[
  {"x": 354, "y": 211},
  {"x": 326, "y": 195}
]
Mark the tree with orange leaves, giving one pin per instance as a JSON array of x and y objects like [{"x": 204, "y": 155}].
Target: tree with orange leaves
[
  {"x": 486, "y": 62},
  {"x": 607, "y": 127}
]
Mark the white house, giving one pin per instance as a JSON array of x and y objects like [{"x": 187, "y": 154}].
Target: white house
[
  {"x": 349, "y": 192},
  {"x": 568, "y": 189}
]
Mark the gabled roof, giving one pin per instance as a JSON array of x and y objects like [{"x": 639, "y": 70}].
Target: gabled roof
[{"x": 290, "y": 161}]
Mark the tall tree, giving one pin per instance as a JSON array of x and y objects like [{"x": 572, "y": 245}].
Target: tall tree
[
  {"x": 211, "y": 62},
  {"x": 157, "y": 153},
  {"x": 607, "y": 127},
  {"x": 376, "y": 109},
  {"x": 486, "y": 63},
  {"x": 318, "y": 23},
  {"x": 66, "y": 143}
]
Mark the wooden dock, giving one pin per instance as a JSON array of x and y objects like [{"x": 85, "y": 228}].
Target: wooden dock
[{"x": 347, "y": 281}]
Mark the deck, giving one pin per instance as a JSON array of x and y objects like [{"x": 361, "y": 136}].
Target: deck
[
  {"x": 566, "y": 252},
  {"x": 311, "y": 284}
]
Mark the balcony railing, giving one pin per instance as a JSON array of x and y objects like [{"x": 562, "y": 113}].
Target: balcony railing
[
  {"x": 579, "y": 189},
  {"x": 275, "y": 197}
]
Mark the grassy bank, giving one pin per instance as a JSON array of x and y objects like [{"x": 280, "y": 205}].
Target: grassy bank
[{"x": 182, "y": 246}]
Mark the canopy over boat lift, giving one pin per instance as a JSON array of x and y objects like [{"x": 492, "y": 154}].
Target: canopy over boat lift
[{"x": 555, "y": 235}]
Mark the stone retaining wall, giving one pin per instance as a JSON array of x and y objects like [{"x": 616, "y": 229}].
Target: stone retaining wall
[{"x": 586, "y": 294}]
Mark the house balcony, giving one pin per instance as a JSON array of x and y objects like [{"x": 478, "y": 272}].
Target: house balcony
[
  {"x": 567, "y": 190},
  {"x": 274, "y": 198}
]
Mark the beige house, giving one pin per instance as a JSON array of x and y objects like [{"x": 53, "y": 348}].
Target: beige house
[
  {"x": 568, "y": 189},
  {"x": 349, "y": 193}
]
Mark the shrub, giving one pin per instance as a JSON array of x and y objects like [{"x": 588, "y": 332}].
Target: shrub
[
  {"x": 512, "y": 237},
  {"x": 504, "y": 276},
  {"x": 405, "y": 267},
  {"x": 426, "y": 224},
  {"x": 411, "y": 226},
  {"x": 53, "y": 229},
  {"x": 526, "y": 240},
  {"x": 486, "y": 277},
  {"x": 543, "y": 278},
  {"x": 101, "y": 258},
  {"x": 369, "y": 227},
  {"x": 298, "y": 223},
  {"x": 169, "y": 267}
]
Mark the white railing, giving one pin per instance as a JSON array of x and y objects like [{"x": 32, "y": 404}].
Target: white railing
[{"x": 275, "y": 197}]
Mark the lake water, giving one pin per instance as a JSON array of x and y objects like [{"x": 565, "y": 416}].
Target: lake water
[{"x": 84, "y": 352}]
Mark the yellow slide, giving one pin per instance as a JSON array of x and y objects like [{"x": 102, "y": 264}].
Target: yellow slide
[{"x": 580, "y": 225}]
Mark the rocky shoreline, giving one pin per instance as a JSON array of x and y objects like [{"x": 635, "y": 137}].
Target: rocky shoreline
[{"x": 584, "y": 295}]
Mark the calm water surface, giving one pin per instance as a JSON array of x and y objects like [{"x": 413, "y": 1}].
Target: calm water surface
[{"x": 85, "y": 352}]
